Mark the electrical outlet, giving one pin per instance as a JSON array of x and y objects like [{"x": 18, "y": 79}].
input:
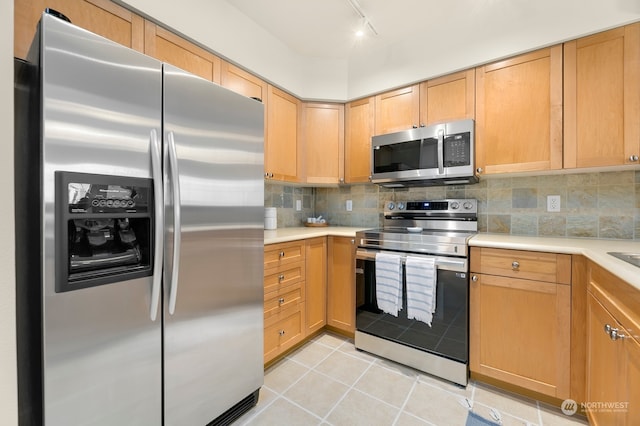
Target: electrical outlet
[
  {"x": 553, "y": 203},
  {"x": 298, "y": 205},
  {"x": 349, "y": 205}
]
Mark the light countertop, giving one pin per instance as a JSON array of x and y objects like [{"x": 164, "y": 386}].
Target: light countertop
[
  {"x": 283, "y": 235},
  {"x": 593, "y": 249}
]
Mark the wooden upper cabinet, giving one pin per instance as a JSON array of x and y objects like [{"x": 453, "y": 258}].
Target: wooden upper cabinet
[
  {"x": 166, "y": 46},
  {"x": 98, "y": 16},
  {"x": 359, "y": 121},
  {"x": 240, "y": 81},
  {"x": 397, "y": 110},
  {"x": 281, "y": 160},
  {"x": 322, "y": 136},
  {"x": 519, "y": 113},
  {"x": 602, "y": 98},
  {"x": 448, "y": 98}
]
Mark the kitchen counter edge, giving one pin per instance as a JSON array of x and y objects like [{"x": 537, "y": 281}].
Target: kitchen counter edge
[
  {"x": 283, "y": 235},
  {"x": 593, "y": 249}
]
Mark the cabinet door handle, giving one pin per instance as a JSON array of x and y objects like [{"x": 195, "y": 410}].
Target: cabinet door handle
[
  {"x": 281, "y": 278},
  {"x": 282, "y": 254},
  {"x": 615, "y": 334},
  {"x": 607, "y": 329},
  {"x": 474, "y": 278},
  {"x": 633, "y": 158},
  {"x": 515, "y": 265},
  {"x": 479, "y": 170},
  {"x": 281, "y": 300},
  {"x": 281, "y": 332}
]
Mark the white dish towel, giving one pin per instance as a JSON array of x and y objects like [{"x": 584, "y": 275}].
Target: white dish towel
[
  {"x": 389, "y": 283},
  {"x": 421, "y": 288}
]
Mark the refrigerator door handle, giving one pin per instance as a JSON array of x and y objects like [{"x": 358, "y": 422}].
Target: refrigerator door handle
[
  {"x": 158, "y": 253},
  {"x": 175, "y": 188}
]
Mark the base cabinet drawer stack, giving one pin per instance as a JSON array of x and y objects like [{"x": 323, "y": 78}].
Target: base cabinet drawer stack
[
  {"x": 284, "y": 296},
  {"x": 520, "y": 312}
]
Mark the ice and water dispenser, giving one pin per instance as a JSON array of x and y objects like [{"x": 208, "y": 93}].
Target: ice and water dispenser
[{"x": 104, "y": 229}]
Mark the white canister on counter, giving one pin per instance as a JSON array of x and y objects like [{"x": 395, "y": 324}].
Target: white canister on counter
[{"x": 270, "y": 218}]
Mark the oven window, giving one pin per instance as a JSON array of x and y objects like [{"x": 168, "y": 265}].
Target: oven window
[{"x": 448, "y": 335}]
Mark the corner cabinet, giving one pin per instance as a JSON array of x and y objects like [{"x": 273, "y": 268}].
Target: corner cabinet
[
  {"x": 168, "y": 47},
  {"x": 282, "y": 154},
  {"x": 359, "y": 123},
  {"x": 99, "y": 16},
  {"x": 519, "y": 113},
  {"x": 520, "y": 313},
  {"x": 602, "y": 99},
  {"x": 341, "y": 289},
  {"x": 322, "y": 136},
  {"x": 613, "y": 350}
]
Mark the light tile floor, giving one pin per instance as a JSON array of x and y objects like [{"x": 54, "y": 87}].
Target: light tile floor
[{"x": 328, "y": 382}]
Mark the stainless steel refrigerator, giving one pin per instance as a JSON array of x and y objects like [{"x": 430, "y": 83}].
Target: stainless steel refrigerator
[{"x": 139, "y": 214}]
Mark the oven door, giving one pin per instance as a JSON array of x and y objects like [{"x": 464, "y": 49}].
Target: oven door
[{"x": 448, "y": 335}]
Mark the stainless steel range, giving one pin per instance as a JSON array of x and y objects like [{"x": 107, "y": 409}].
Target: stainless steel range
[{"x": 412, "y": 286}]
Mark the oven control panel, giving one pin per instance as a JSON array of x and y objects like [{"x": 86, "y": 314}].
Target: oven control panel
[{"x": 451, "y": 206}]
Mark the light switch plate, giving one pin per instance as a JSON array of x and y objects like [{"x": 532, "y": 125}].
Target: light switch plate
[
  {"x": 553, "y": 203},
  {"x": 349, "y": 205}
]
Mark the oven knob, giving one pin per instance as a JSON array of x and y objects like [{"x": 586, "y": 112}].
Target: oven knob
[
  {"x": 391, "y": 206},
  {"x": 467, "y": 205},
  {"x": 400, "y": 206},
  {"x": 455, "y": 205}
]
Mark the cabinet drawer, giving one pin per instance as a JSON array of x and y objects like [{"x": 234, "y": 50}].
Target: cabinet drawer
[
  {"x": 275, "y": 303},
  {"x": 282, "y": 277},
  {"x": 276, "y": 255},
  {"x": 282, "y": 331},
  {"x": 549, "y": 267}
]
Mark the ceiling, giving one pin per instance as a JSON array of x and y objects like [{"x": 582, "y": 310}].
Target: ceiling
[
  {"x": 308, "y": 47},
  {"x": 325, "y": 28}
]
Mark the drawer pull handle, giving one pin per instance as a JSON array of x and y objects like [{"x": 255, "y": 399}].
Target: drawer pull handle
[
  {"x": 281, "y": 332},
  {"x": 515, "y": 265},
  {"x": 281, "y": 278},
  {"x": 281, "y": 300},
  {"x": 282, "y": 254}
]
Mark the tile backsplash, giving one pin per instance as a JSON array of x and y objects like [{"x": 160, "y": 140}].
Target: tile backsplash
[{"x": 594, "y": 205}]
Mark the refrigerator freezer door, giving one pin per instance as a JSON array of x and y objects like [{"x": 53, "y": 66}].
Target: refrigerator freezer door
[
  {"x": 214, "y": 338},
  {"x": 102, "y": 353}
]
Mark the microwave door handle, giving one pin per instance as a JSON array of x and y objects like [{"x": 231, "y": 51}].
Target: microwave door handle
[{"x": 441, "y": 152}]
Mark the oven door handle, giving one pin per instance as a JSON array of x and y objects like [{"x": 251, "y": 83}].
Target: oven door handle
[{"x": 441, "y": 262}]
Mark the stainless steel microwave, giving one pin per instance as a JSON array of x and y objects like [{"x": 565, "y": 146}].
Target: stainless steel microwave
[{"x": 440, "y": 154}]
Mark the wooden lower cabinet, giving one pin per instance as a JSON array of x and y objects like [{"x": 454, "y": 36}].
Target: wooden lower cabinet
[
  {"x": 283, "y": 331},
  {"x": 284, "y": 297},
  {"x": 315, "y": 284},
  {"x": 341, "y": 299},
  {"x": 520, "y": 327},
  {"x": 613, "y": 360}
]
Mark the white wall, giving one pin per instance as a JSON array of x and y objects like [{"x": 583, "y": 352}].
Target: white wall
[{"x": 8, "y": 390}]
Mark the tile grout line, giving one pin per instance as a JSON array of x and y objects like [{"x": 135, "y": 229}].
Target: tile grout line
[
  {"x": 347, "y": 391},
  {"x": 281, "y": 394},
  {"x": 406, "y": 399}
]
